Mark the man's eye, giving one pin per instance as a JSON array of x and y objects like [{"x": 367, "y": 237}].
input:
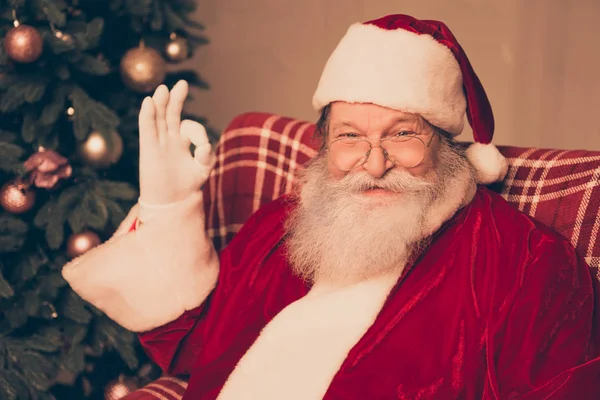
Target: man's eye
[
  {"x": 348, "y": 135},
  {"x": 404, "y": 134}
]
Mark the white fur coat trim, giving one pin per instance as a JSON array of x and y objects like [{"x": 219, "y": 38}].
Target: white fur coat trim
[
  {"x": 299, "y": 352},
  {"x": 395, "y": 69},
  {"x": 146, "y": 278}
]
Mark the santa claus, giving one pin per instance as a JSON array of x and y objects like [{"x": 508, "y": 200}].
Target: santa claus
[{"x": 389, "y": 273}]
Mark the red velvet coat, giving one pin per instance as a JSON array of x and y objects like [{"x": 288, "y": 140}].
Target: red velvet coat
[{"x": 497, "y": 307}]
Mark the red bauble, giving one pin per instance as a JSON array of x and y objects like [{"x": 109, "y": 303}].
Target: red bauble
[{"x": 23, "y": 44}]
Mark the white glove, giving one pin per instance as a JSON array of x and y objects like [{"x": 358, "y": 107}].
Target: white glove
[{"x": 168, "y": 172}]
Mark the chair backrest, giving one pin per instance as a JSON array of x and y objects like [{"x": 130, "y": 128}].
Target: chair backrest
[{"x": 259, "y": 154}]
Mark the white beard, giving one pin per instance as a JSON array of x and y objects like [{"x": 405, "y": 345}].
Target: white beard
[{"x": 340, "y": 235}]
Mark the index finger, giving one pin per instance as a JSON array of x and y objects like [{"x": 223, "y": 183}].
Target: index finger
[{"x": 175, "y": 107}]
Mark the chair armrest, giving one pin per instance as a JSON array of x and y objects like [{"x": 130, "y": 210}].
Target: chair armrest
[{"x": 164, "y": 388}]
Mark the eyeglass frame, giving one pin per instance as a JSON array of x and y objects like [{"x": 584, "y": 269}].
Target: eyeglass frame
[{"x": 383, "y": 150}]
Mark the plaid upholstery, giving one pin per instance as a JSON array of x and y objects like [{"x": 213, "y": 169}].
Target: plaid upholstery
[
  {"x": 165, "y": 388},
  {"x": 258, "y": 156},
  {"x": 561, "y": 189}
]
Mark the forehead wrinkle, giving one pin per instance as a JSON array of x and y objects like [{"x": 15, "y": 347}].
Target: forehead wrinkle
[
  {"x": 385, "y": 122},
  {"x": 413, "y": 120},
  {"x": 394, "y": 121},
  {"x": 344, "y": 124}
]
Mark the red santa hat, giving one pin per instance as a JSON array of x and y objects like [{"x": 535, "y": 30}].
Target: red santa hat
[{"x": 416, "y": 66}]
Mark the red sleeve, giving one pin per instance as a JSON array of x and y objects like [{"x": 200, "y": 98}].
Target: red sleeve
[
  {"x": 545, "y": 348},
  {"x": 176, "y": 345},
  {"x": 169, "y": 345}
]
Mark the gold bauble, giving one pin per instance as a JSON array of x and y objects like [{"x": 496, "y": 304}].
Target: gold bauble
[
  {"x": 96, "y": 152},
  {"x": 80, "y": 243},
  {"x": 16, "y": 197},
  {"x": 119, "y": 388},
  {"x": 23, "y": 43},
  {"x": 143, "y": 69},
  {"x": 177, "y": 49}
]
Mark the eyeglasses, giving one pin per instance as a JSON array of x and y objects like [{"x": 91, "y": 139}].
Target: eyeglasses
[{"x": 407, "y": 151}]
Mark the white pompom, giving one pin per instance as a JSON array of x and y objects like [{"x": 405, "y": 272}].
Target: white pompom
[{"x": 489, "y": 163}]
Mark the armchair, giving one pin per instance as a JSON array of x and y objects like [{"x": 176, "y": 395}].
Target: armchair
[{"x": 259, "y": 154}]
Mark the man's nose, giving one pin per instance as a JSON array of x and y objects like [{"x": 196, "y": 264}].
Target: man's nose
[{"x": 377, "y": 164}]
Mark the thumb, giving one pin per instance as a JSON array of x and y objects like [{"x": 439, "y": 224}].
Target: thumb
[{"x": 203, "y": 155}]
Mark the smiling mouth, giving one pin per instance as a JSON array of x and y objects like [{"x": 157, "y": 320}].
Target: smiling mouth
[{"x": 377, "y": 190}]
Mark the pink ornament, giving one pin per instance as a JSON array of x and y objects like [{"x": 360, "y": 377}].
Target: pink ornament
[{"x": 46, "y": 167}]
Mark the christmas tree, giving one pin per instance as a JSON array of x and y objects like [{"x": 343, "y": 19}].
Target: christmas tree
[{"x": 72, "y": 78}]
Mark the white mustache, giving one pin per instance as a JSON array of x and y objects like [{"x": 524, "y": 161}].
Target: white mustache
[{"x": 395, "y": 181}]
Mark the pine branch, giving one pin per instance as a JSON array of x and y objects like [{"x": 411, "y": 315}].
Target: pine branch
[
  {"x": 91, "y": 65},
  {"x": 73, "y": 308},
  {"x": 10, "y": 157},
  {"x": 6, "y": 290},
  {"x": 173, "y": 21},
  {"x": 81, "y": 35},
  {"x": 157, "y": 21},
  {"x": 194, "y": 24},
  {"x": 16, "y": 3},
  {"x": 13, "y": 232},
  {"x": 56, "y": 107},
  {"x": 107, "y": 331},
  {"x": 28, "y": 89},
  {"x": 115, "y": 211},
  {"x": 3, "y": 56},
  {"x": 48, "y": 141},
  {"x": 54, "y": 213},
  {"x": 7, "y": 136},
  {"x": 125, "y": 346},
  {"x": 31, "y": 303},
  {"x": 37, "y": 369},
  {"x": 197, "y": 40},
  {"x": 47, "y": 339},
  {"x": 12, "y": 387},
  {"x": 93, "y": 211},
  {"x": 111, "y": 198},
  {"x": 138, "y": 8},
  {"x": 53, "y": 11},
  {"x": 94, "y": 30},
  {"x": 29, "y": 265},
  {"x": 91, "y": 114},
  {"x": 51, "y": 284},
  {"x": 57, "y": 45},
  {"x": 73, "y": 360},
  {"x": 62, "y": 72},
  {"x": 15, "y": 316},
  {"x": 117, "y": 190},
  {"x": 5, "y": 12},
  {"x": 74, "y": 333},
  {"x": 29, "y": 129}
]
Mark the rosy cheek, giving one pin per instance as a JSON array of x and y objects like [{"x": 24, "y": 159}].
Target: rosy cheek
[
  {"x": 424, "y": 168},
  {"x": 421, "y": 170},
  {"x": 429, "y": 163},
  {"x": 334, "y": 172}
]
